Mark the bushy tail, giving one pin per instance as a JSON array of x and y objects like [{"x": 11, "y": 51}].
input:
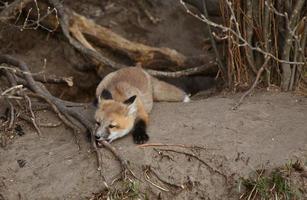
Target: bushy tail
[{"x": 192, "y": 84}]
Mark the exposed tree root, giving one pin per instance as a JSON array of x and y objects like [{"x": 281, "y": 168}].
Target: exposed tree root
[
  {"x": 68, "y": 114},
  {"x": 33, "y": 118},
  {"x": 9, "y": 11},
  {"x": 54, "y": 79},
  {"x": 76, "y": 27}
]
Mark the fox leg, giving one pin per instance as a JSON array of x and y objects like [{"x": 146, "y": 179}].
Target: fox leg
[
  {"x": 163, "y": 91},
  {"x": 139, "y": 131}
]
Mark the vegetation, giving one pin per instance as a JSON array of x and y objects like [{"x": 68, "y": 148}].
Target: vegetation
[
  {"x": 278, "y": 183},
  {"x": 126, "y": 189}
]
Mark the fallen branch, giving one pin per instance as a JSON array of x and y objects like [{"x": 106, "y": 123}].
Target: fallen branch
[
  {"x": 11, "y": 89},
  {"x": 64, "y": 19},
  {"x": 135, "y": 51},
  {"x": 75, "y": 26}
]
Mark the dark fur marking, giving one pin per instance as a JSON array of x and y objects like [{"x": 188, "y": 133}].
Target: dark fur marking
[
  {"x": 139, "y": 132},
  {"x": 106, "y": 94},
  {"x": 192, "y": 84},
  {"x": 95, "y": 102},
  {"x": 130, "y": 100},
  {"x": 88, "y": 136}
]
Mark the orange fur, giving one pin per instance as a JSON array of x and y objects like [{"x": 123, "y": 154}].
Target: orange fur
[{"x": 122, "y": 85}]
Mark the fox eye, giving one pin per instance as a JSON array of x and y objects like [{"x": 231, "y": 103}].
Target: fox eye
[
  {"x": 112, "y": 126},
  {"x": 98, "y": 123}
]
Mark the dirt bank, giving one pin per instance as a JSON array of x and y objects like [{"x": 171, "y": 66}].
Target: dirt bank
[{"x": 268, "y": 130}]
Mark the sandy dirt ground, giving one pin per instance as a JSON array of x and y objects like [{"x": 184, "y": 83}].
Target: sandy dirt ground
[{"x": 267, "y": 130}]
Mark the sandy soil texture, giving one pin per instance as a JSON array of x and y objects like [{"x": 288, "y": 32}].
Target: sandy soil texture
[
  {"x": 269, "y": 129},
  {"x": 266, "y": 131}
]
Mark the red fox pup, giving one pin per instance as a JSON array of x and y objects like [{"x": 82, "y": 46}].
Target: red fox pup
[{"x": 124, "y": 101}]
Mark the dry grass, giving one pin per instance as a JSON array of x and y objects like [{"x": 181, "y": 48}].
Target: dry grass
[{"x": 284, "y": 183}]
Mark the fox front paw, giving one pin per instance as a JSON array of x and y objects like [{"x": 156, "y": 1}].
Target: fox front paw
[
  {"x": 140, "y": 138},
  {"x": 139, "y": 133}
]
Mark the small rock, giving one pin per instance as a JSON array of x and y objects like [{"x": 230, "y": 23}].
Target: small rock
[
  {"x": 19, "y": 131},
  {"x": 21, "y": 163}
]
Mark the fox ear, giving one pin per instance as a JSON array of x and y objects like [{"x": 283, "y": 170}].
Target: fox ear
[
  {"x": 131, "y": 102},
  {"x": 105, "y": 94}
]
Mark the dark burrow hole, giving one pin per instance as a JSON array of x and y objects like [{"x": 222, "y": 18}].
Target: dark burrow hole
[{"x": 83, "y": 89}]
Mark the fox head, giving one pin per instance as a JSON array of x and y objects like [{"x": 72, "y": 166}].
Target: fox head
[{"x": 114, "y": 119}]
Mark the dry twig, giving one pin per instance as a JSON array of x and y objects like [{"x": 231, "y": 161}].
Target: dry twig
[
  {"x": 171, "y": 145},
  {"x": 33, "y": 118},
  {"x": 12, "y": 115},
  {"x": 152, "y": 183},
  {"x": 288, "y": 44},
  {"x": 237, "y": 34},
  {"x": 211, "y": 169},
  {"x": 148, "y": 168},
  {"x": 213, "y": 43},
  {"x": 248, "y": 92}
]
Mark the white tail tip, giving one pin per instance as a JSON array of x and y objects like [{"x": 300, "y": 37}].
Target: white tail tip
[{"x": 186, "y": 99}]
